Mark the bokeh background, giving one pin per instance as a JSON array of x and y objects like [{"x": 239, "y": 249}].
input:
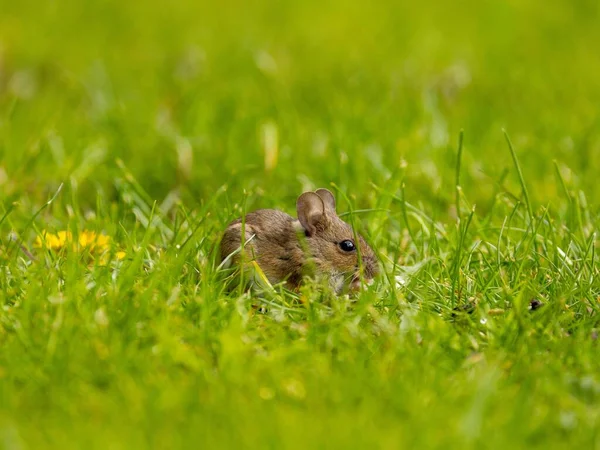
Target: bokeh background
[
  {"x": 210, "y": 108},
  {"x": 188, "y": 95}
]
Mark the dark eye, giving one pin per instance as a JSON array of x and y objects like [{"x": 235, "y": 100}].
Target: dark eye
[{"x": 347, "y": 245}]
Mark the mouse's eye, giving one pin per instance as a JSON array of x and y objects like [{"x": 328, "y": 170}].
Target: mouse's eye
[{"x": 347, "y": 245}]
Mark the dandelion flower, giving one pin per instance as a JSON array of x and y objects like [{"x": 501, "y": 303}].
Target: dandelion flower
[
  {"x": 53, "y": 241},
  {"x": 87, "y": 241},
  {"x": 93, "y": 242}
]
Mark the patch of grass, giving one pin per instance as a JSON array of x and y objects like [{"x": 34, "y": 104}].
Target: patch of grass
[{"x": 155, "y": 125}]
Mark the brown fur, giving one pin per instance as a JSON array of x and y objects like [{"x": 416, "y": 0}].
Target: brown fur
[{"x": 286, "y": 248}]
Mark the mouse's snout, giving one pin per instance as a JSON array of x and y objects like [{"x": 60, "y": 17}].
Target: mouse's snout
[{"x": 356, "y": 284}]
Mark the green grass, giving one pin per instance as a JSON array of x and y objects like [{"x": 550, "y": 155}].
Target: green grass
[{"x": 148, "y": 122}]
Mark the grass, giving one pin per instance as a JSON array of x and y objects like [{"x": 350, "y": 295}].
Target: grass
[{"x": 156, "y": 125}]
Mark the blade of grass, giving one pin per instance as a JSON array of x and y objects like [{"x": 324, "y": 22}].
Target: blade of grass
[
  {"x": 520, "y": 173},
  {"x": 457, "y": 180}
]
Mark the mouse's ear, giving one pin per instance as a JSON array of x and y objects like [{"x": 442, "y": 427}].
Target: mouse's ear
[
  {"x": 311, "y": 212},
  {"x": 328, "y": 199}
]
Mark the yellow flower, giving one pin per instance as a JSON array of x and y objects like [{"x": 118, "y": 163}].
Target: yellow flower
[
  {"x": 103, "y": 260},
  {"x": 94, "y": 243},
  {"x": 53, "y": 241}
]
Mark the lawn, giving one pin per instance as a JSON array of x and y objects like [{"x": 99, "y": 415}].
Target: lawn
[{"x": 461, "y": 138}]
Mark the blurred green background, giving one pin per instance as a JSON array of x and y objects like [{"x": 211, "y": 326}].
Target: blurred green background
[
  {"x": 182, "y": 91},
  {"x": 268, "y": 99}
]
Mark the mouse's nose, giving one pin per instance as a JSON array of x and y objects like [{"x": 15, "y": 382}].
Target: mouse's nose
[
  {"x": 357, "y": 283},
  {"x": 371, "y": 268}
]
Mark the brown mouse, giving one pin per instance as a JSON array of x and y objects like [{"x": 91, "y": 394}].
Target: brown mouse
[{"x": 317, "y": 244}]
